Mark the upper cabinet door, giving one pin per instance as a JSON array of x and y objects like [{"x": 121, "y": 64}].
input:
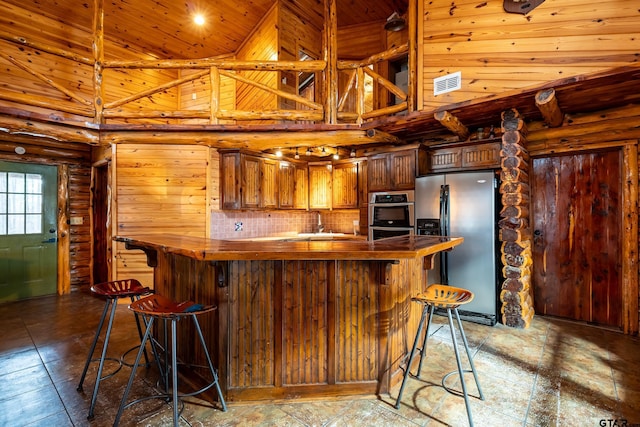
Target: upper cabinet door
[
  {"x": 320, "y": 186},
  {"x": 402, "y": 170},
  {"x": 286, "y": 185},
  {"x": 392, "y": 171},
  {"x": 251, "y": 177},
  {"x": 345, "y": 185},
  {"x": 269, "y": 183},
  {"x": 301, "y": 188},
  {"x": 377, "y": 175},
  {"x": 230, "y": 176}
]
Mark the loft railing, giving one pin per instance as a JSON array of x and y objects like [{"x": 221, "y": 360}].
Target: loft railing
[{"x": 358, "y": 84}]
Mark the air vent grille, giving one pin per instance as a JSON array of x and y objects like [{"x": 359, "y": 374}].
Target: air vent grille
[{"x": 447, "y": 83}]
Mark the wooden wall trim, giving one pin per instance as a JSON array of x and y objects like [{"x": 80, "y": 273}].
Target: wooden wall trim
[
  {"x": 64, "y": 271},
  {"x": 630, "y": 236}
]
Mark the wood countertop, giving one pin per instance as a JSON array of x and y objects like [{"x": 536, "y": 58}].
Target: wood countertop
[{"x": 225, "y": 250}]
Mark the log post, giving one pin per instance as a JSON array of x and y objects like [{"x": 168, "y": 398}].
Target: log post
[
  {"x": 514, "y": 230},
  {"x": 547, "y": 103},
  {"x": 452, "y": 123},
  {"x": 98, "y": 60},
  {"x": 331, "y": 59}
]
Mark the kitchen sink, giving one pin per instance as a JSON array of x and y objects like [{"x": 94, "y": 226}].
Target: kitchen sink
[{"x": 319, "y": 236}]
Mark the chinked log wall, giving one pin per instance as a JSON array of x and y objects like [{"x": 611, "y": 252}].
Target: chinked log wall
[{"x": 515, "y": 232}]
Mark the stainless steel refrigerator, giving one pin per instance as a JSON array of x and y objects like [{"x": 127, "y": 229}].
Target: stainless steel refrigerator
[{"x": 464, "y": 205}]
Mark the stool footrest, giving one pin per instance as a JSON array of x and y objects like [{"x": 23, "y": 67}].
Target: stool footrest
[{"x": 451, "y": 390}]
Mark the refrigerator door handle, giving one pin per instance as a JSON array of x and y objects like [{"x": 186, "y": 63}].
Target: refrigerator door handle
[{"x": 444, "y": 228}]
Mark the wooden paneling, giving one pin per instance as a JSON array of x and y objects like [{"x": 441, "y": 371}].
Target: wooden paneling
[
  {"x": 159, "y": 189},
  {"x": 163, "y": 29},
  {"x": 196, "y": 95},
  {"x": 361, "y": 41},
  {"x": 299, "y": 328},
  {"x": 497, "y": 51},
  {"x": 262, "y": 45},
  {"x": 356, "y": 320},
  {"x": 305, "y": 322},
  {"x": 252, "y": 344}
]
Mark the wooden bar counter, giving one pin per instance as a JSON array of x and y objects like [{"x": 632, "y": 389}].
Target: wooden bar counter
[{"x": 297, "y": 319}]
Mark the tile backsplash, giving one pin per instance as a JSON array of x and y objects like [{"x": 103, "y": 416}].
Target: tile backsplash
[{"x": 245, "y": 224}]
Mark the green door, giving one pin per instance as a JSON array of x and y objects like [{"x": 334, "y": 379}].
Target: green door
[{"x": 28, "y": 235}]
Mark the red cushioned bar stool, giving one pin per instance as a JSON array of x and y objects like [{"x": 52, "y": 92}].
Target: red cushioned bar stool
[
  {"x": 162, "y": 308},
  {"x": 111, "y": 292},
  {"x": 448, "y": 298}
]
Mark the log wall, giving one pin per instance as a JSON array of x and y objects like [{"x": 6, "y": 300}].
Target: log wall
[
  {"x": 499, "y": 52},
  {"x": 159, "y": 189}
]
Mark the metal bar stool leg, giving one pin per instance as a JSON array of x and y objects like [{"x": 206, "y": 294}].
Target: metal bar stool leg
[
  {"x": 466, "y": 347},
  {"x": 423, "y": 350},
  {"x": 213, "y": 371},
  {"x": 137, "y": 317},
  {"x": 123, "y": 402},
  {"x": 93, "y": 345},
  {"x": 460, "y": 370},
  {"x": 413, "y": 351},
  {"x": 174, "y": 370}
]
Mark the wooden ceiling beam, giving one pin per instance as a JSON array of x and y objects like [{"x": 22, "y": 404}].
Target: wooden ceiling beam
[
  {"x": 452, "y": 123},
  {"x": 258, "y": 141},
  {"x": 547, "y": 103}
]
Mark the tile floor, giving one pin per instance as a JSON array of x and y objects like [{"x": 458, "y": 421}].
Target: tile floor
[{"x": 554, "y": 373}]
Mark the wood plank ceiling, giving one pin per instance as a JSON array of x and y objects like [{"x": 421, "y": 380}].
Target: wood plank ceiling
[{"x": 165, "y": 29}]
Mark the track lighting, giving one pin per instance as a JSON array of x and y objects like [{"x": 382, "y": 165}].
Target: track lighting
[{"x": 395, "y": 22}]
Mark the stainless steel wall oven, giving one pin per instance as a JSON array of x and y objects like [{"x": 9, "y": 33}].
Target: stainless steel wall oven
[{"x": 391, "y": 213}]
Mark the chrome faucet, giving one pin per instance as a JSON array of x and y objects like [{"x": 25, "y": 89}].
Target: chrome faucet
[{"x": 320, "y": 226}]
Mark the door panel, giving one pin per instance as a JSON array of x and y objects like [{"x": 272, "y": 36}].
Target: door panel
[
  {"x": 577, "y": 216},
  {"x": 28, "y": 235}
]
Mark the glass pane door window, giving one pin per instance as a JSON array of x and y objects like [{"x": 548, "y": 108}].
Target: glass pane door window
[{"x": 21, "y": 203}]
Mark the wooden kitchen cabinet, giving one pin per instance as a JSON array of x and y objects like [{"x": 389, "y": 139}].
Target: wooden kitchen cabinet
[
  {"x": 251, "y": 175},
  {"x": 293, "y": 188},
  {"x": 393, "y": 171},
  {"x": 345, "y": 185},
  {"x": 268, "y": 183},
  {"x": 248, "y": 181},
  {"x": 301, "y": 187},
  {"x": 320, "y": 185},
  {"x": 464, "y": 157}
]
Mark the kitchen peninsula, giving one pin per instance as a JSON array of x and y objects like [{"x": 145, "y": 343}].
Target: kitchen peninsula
[{"x": 297, "y": 319}]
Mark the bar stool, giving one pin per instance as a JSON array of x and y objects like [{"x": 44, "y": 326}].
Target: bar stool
[
  {"x": 160, "y": 307},
  {"x": 448, "y": 298},
  {"x": 112, "y": 292}
]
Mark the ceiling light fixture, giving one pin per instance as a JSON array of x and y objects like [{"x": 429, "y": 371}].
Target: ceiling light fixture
[
  {"x": 395, "y": 22},
  {"x": 336, "y": 156},
  {"x": 278, "y": 153},
  {"x": 198, "y": 18},
  {"x": 297, "y": 156},
  {"x": 353, "y": 152},
  {"x": 308, "y": 152}
]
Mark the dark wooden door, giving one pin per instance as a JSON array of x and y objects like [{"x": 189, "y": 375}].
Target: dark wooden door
[
  {"x": 577, "y": 216},
  {"x": 101, "y": 225}
]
